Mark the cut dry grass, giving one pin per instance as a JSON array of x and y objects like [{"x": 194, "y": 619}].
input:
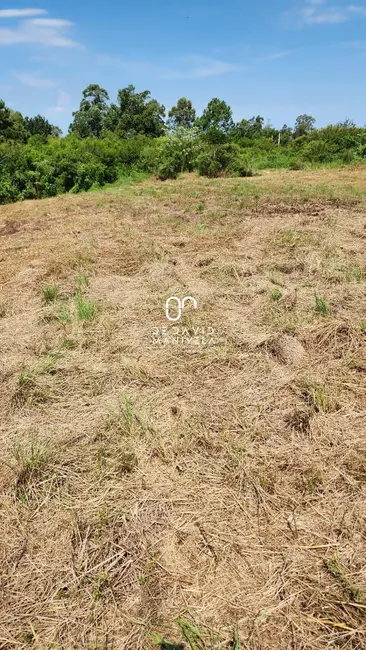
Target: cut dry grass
[{"x": 178, "y": 494}]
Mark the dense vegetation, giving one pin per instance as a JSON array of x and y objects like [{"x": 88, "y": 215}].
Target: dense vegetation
[{"x": 107, "y": 140}]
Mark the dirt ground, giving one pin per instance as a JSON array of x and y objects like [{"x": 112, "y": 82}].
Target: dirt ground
[{"x": 193, "y": 484}]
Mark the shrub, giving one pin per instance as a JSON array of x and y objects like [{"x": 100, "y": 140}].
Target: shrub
[
  {"x": 241, "y": 165},
  {"x": 93, "y": 172},
  {"x": 43, "y": 165},
  {"x": 149, "y": 158},
  {"x": 208, "y": 164},
  {"x": 296, "y": 164},
  {"x": 8, "y": 191},
  {"x": 317, "y": 151},
  {"x": 224, "y": 159},
  {"x": 172, "y": 154},
  {"x": 347, "y": 156},
  {"x": 169, "y": 168},
  {"x": 215, "y": 161}
]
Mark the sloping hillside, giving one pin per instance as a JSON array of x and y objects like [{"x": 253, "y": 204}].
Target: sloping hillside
[{"x": 203, "y": 485}]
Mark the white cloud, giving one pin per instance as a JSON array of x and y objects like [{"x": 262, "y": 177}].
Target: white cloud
[
  {"x": 355, "y": 9},
  {"x": 34, "y": 81},
  {"x": 49, "y": 32},
  {"x": 198, "y": 67},
  {"x": 275, "y": 55},
  {"x": 51, "y": 22},
  {"x": 20, "y": 13},
  {"x": 320, "y": 12},
  {"x": 135, "y": 67},
  {"x": 63, "y": 102},
  {"x": 187, "y": 67}
]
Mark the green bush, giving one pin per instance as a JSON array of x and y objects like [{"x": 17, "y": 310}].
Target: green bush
[
  {"x": 169, "y": 168},
  {"x": 208, "y": 165},
  {"x": 32, "y": 171},
  {"x": 241, "y": 165},
  {"x": 41, "y": 164},
  {"x": 225, "y": 159},
  {"x": 347, "y": 156},
  {"x": 296, "y": 164},
  {"x": 168, "y": 156},
  {"x": 8, "y": 191},
  {"x": 149, "y": 158},
  {"x": 317, "y": 151},
  {"x": 214, "y": 161}
]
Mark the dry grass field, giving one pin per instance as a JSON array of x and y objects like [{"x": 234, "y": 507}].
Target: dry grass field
[{"x": 206, "y": 494}]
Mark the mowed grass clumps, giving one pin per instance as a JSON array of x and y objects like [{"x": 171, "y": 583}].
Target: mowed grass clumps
[
  {"x": 75, "y": 306},
  {"x": 29, "y": 389},
  {"x": 183, "y": 495},
  {"x": 30, "y": 464}
]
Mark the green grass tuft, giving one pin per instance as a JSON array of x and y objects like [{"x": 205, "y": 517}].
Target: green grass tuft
[
  {"x": 321, "y": 306},
  {"x": 30, "y": 464},
  {"x": 50, "y": 293},
  {"x": 276, "y": 294},
  {"x": 82, "y": 281},
  {"x": 86, "y": 310}
]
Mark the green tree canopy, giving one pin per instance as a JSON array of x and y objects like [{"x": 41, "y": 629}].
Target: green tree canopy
[
  {"x": 12, "y": 125},
  {"x": 136, "y": 113},
  {"x": 39, "y": 125},
  {"x": 217, "y": 115},
  {"x": 183, "y": 114},
  {"x": 251, "y": 129},
  {"x": 304, "y": 125},
  {"x": 216, "y": 121},
  {"x": 5, "y": 121},
  {"x": 95, "y": 96},
  {"x": 89, "y": 119},
  {"x": 286, "y": 134}
]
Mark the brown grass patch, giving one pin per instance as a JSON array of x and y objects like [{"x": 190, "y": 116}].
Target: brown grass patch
[{"x": 186, "y": 493}]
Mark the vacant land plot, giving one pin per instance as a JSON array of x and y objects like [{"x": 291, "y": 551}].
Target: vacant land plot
[{"x": 207, "y": 493}]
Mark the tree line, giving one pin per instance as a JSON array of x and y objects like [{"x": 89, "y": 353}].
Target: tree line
[{"x": 135, "y": 134}]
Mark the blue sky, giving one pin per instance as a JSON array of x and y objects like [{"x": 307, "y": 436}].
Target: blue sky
[{"x": 276, "y": 58}]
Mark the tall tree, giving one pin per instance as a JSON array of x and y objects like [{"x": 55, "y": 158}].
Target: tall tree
[
  {"x": 304, "y": 125},
  {"x": 96, "y": 96},
  {"x": 216, "y": 121},
  {"x": 89, "y": 119},
  {"x": 183, "y": 114},
  {"x": 136, "y": 113}
]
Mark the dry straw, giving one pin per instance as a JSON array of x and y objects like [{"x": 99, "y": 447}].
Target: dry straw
[{"x": 159, "y": 496}]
